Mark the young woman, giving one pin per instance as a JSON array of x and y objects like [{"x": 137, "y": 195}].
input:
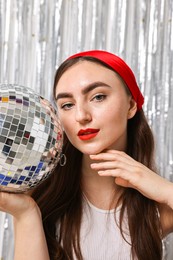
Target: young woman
[{"x": 106, "y": 202}]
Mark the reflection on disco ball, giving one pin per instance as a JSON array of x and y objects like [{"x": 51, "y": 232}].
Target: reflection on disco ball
[{"x": 30, "y": 138}]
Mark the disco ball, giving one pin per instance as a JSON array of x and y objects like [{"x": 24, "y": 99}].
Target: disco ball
[{"x": 30, "y": 138}]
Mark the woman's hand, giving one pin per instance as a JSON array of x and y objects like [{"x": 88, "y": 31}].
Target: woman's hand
[
  {"x": 130, "y": 173},
  {"x": 30, "y": 241},
  {"x": 18, "y": 205}
]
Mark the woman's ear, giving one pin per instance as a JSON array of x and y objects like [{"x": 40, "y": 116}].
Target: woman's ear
[{"x": 132, "y": 108}]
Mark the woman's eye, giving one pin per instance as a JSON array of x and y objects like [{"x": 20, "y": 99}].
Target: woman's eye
[
  {"x": 99, "y": 97},
  {"x": 66, "y": 106}
]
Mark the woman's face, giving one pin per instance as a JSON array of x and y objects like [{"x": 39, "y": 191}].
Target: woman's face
[{"x": 94, "y": 107}]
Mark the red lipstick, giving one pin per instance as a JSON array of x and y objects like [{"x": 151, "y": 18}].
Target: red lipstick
[{"x": 87, "y": 134}]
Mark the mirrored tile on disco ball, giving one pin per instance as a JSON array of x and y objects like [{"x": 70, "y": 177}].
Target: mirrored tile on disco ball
[{"x": 31, "y": 138}]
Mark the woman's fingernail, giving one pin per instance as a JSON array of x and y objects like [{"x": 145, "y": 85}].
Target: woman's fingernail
[{"x": 93, "y": 165}]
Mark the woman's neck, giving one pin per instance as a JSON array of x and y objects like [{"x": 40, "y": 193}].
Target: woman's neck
[{"x": 101, "y": 191}]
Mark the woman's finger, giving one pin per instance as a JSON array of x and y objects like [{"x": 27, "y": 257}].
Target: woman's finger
[{"x": 111, "y": 155}]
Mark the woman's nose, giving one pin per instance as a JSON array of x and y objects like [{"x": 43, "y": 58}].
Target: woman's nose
[{"x": 83, "y": 114}]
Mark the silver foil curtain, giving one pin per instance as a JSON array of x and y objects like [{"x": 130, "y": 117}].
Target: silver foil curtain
[{"x": 37, "y": 35}]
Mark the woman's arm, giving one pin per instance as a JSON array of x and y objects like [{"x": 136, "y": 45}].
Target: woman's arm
[
  {"x": 30, "y": 242},
  {"x": 130, "y": 173}
]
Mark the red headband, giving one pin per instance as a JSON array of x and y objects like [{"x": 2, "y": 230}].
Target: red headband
[{"x": 118, "y": 65}]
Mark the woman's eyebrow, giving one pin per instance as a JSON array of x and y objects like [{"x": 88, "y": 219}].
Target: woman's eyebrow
[
  {"x": 64, "y": 95},
  {"x": 94, "y": 85},
  {"x": 86, "y": 90}
]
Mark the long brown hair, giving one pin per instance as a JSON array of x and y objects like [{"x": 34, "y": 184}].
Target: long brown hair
[{"x": 60, "y": 196}]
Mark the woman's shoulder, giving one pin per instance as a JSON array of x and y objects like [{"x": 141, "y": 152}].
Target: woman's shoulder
[{"x": 166, "y": 219}]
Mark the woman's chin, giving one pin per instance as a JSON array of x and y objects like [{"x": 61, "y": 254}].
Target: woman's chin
[
  {"x": 89, "y": 149},
  {"x": 92, "y": 151}
]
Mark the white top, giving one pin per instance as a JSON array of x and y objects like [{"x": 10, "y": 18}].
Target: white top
[{"x": 100, "y": 236}]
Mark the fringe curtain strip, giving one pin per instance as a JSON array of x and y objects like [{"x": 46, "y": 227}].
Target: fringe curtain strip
[{"x": 37, "y": 35}]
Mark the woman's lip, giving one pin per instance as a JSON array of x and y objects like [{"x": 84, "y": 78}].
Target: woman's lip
[{"x": 88, "y": 133}]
